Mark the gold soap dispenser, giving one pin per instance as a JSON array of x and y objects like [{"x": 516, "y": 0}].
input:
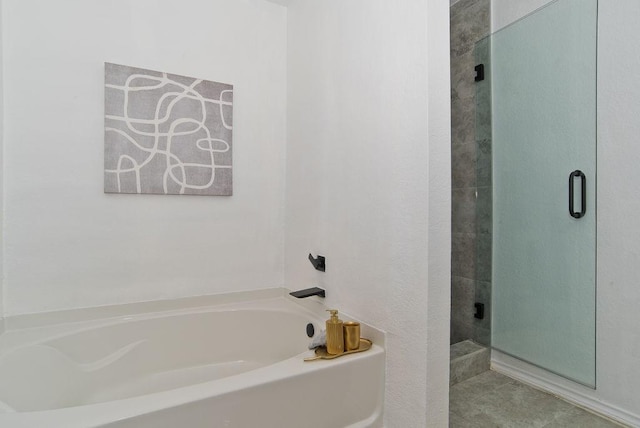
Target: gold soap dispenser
[{"x": 335, "y": 334}]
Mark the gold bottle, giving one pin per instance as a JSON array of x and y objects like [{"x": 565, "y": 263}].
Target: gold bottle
[{"x": 335, "y": 334}]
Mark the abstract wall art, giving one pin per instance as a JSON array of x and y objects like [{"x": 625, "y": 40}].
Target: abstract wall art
[{"x": 166, "y": 134}]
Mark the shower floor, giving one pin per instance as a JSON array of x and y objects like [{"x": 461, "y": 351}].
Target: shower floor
[{"x": 493, "y": 400}]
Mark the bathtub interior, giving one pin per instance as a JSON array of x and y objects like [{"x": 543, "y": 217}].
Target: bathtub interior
[{"x": 132, "y": 357}]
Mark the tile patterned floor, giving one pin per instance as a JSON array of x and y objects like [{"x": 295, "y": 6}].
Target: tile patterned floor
[{"x": 493, "y": 400}]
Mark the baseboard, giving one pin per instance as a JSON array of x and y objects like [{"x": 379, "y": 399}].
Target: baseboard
[{"x": 571, "y": 395}]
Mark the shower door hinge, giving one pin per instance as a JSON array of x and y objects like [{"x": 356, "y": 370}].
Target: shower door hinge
[
  {"x": 479, "y": 311},
  {"x": 479, "y": 72}
]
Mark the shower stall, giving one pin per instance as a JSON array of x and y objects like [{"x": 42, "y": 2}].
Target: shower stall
[{"x": 533, "y": 124}]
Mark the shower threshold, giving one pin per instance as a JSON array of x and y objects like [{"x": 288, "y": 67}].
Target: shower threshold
[{"x": 467, "y": 359}]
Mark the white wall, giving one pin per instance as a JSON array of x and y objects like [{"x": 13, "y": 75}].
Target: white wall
[
  {"x": 69, "y": 245},
  {"x": 439, "y": 223},
  {"x": 618, "y": 228},
  {"x": 618, "y": 182},
  {"x": 1, "y": 181},
  {"x": 368, "y": 167}
]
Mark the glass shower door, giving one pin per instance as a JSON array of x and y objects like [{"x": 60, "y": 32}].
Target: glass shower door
[{"x": 543, "y": 71}]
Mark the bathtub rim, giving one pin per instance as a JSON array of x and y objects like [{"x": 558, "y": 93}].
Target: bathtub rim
[
  {"x": 64, "y": 316},
  {"x": 102, "y": 315}
]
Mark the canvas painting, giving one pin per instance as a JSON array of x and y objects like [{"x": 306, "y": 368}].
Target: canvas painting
[{"x": 166, "y": 134}]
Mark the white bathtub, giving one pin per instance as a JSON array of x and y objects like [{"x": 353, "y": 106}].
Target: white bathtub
[{"x": 236, "y": 362}]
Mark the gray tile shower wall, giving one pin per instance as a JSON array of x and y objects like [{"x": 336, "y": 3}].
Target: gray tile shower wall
[{"x": 471, "y": 173}]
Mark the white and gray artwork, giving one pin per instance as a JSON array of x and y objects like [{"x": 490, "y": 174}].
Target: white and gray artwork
[{"x": 166, "y": 134}]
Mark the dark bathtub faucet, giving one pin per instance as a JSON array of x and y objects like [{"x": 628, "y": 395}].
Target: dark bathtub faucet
[
  {"x": 319, "y": 263},
  {"x": 308, "y": 292}
]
